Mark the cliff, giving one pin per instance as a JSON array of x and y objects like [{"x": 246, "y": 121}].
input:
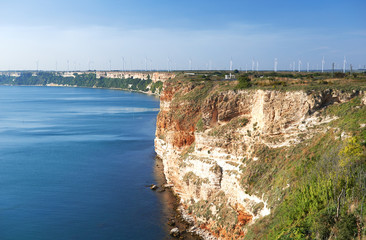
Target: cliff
[
  {"x": 90, "y": 79},
  {"x": 144, "y": 75},
  {"x": 237, "y": 158}
]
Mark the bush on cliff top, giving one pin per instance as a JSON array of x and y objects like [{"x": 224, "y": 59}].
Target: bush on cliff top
[{"x": 244, "y": 82}]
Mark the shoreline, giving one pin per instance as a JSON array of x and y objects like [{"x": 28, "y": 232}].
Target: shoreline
[
  {"x": 171, "y": 206},
  {"x": 75, "y": 86}
]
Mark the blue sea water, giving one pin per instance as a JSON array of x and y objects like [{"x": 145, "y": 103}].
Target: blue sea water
[{"x": 74, "y": 164}]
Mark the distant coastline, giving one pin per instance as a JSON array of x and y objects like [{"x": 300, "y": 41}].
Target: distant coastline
[{"x": 147, "y": 82}]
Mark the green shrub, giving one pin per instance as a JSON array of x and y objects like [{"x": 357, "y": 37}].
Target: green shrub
[
  {"x": 346, "y": 228},
  {"x": 323, "y": 224},
  {"x": 200, "y": 126},
  {"x": 244, "y": 82}
]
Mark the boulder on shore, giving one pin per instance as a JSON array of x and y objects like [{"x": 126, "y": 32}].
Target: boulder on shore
[
  {"x": 171, "y": 222},
  {"x": 167, "y": 185},
  {"x": 175, "y": 232}
]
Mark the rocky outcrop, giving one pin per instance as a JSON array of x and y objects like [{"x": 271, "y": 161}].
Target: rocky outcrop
[
  {"x": 206, "y": 137},
  {"x": 154, "y": 76}
]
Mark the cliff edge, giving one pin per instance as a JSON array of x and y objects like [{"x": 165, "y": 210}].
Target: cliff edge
[{"x": 239, "y": 159}]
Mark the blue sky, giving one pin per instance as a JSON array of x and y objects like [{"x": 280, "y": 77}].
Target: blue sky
[{"x": 210, "y": 33}]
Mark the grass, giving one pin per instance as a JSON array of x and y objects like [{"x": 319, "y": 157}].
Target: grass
[
  {"x": 303, "y": 182},
  {"x": 320, "y": 171},
  {"x": 229, "y": 127},
  {"x": 198, "y": 91},
  {"x": 191, "y": 178},
  {"x": 200, "y": 127},
  {"x": 282, "y": 81},
  {"x": 226, "y": 216},
  {"x": 351, "y": 115}
]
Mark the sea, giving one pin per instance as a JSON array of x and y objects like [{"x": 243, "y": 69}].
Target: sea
[{"x": 75, "y": 163}]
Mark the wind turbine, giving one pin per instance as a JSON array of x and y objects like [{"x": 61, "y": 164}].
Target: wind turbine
[
  {"x": 253, "y": 65},
  {"x": 275, "y": 64},
  {"x": 231, "y": 66},
  {"x": 257, "y": 65},
  {"x": 308, "y": 67},
  {"x": 344, "y": 64},
  {"x": 323, "y": 62},
  {"x": 300, "y": 65}
]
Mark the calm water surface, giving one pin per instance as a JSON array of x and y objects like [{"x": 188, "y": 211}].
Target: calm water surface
[{"x": 74, "y": 163}]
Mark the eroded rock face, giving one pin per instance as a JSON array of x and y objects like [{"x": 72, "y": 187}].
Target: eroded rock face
[
  {"x": 205, "y": 143},
  {"x": 154, "y": 76}
]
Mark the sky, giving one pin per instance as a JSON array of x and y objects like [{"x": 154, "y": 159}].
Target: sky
[{"x": 162, "y": 34}]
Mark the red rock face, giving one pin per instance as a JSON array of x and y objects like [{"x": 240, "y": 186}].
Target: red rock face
[
  {"x": 243, "y": 218},
  {"x": 168, "y": 92},
  {"x": 181, "y": 117},
  {"x": 176, "y": 124},
  {"x": 234, "y": 233},
  {"x": 183, "y": 130},
  {"x": 272, "y": 118}
]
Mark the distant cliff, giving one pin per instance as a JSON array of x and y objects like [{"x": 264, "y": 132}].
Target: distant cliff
[
  {"x": 264, "y": 164},
  {"x": 143, "y": 75},
  {"x": 147, "y": 82},
  {"x": 154, "y": 76}
]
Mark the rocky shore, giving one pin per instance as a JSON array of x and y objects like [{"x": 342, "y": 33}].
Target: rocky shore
[{"x": 172, "y": 216}]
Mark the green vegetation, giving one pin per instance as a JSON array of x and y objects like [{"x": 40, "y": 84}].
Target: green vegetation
[
  {"x": 82, "y": 80},
  {"x": 284, "y": 81},
  {"x": 350, "y": 115},
  {"x": 198, "y": 91},
  {"x": 229, "y": 127},
  {"x": 200, "y": 125},
  {"x": 308, "y": 81},
  {"x": 243, "y": 82},
  {"x": 226, "y": 216},
  {"x": 325, "y": 198},
  {"x": 193, "y": 93},
  {"x": 315, "y": 189},
  {"x": 191, "y": 178}
]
